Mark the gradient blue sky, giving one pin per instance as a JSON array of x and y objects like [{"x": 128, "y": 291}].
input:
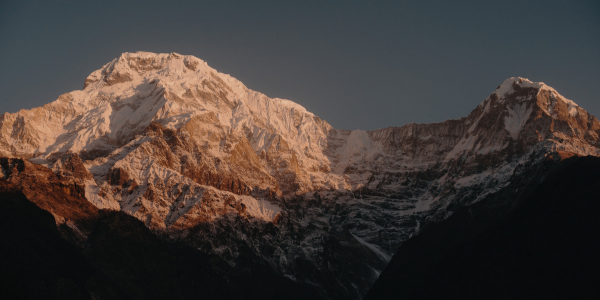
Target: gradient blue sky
[{"x": 356, "y": 64}]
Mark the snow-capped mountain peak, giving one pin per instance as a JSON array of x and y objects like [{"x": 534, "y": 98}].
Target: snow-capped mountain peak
[
  {"x": 513, "y": 84},
  {"x": 194, "y": 153}
]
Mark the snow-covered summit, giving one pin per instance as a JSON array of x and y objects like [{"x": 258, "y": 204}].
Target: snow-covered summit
[
  {"x": 131, "y": 66},
  {"x": 126, "y": 95},
  {"x": 508, "y": 87}
]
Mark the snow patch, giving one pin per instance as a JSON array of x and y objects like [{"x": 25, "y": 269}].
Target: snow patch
[
  {"x": 91, "y": 194},
  {"x": 261, "y": 209},
  {"x": 516, "y": 118},
  {"x": 506, "y": 87},
  {"x": 373, "y": 248},
  {"x": 358, "y": 142}
]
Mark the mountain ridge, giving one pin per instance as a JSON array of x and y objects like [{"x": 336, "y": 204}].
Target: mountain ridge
[{"x": 198, "y": 157}]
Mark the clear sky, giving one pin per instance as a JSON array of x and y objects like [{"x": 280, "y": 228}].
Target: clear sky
[{"x": 356, "y": 64}]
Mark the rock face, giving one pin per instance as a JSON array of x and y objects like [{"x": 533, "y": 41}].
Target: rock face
[{"x": 200, "y": 158}]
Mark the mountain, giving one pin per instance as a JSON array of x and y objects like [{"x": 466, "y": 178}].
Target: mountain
[
  {"x": 201, "y": 159},
  {"x": 544, "y": 246}
]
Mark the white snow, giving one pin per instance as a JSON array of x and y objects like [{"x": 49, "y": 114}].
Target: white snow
[
  {"x": 91, "y": 194},
  {"x": 358, "y": 141},
  {"x": 373, "y": 248},
  {"x": 463, "y": 145},
  {"x": 358, "y": 147},
  {"x": 261, "y": 209},
  {"x": 516, "y": 118},
  {"x": 506, "y": 87}
]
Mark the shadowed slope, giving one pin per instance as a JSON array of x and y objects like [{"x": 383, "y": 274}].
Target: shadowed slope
[
  {"x": 545, "y": 247},
  {"x": 113, "y": 256}
]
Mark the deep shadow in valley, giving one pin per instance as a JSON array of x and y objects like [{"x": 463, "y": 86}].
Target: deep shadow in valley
[
  {"x": 537, "y": 242},
  {"x": 120, "y": 259}
]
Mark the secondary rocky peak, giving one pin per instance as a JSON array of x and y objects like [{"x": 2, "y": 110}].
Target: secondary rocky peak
[{"x": 525, "y": 107}]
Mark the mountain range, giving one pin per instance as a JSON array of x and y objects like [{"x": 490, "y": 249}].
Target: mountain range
[{"x": 205, "y": 163}]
